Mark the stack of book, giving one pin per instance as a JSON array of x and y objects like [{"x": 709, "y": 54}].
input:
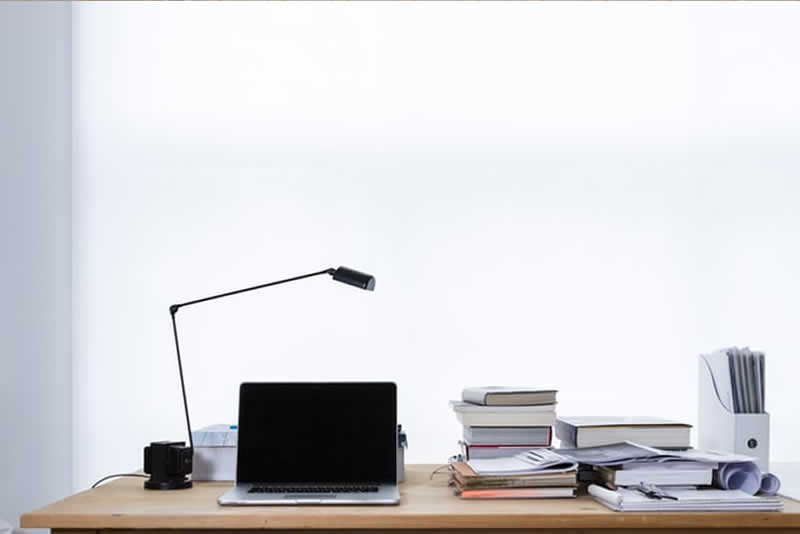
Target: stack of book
[
  {"x": 597, "y": 431},
  {"x": 506, "y": 433},
  {"x": 535, "y": 474},
  {"x": 637, "y": 478},
  {"x": 500, "y": 421}
]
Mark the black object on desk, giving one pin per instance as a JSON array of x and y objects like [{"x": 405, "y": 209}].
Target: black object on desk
[
  {"x": 166, "y": 462},
  {"x": 654, "y": 492}
]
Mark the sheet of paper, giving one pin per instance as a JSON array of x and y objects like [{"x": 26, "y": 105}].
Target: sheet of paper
[
  {"x": 744, "y": 476},
  {"x": 529, "y": 462}
]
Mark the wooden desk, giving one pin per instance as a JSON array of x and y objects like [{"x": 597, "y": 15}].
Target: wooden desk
[{"x": 124, "y": 506}]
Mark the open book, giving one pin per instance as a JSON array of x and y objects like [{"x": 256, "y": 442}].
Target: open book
[{"x": 534, "y": 461}]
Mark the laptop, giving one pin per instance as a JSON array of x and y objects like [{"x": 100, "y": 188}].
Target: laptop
[{"x": 316, "y": 443}]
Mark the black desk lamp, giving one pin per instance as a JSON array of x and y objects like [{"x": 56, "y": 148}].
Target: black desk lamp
[{"x": 168, "y": 462}]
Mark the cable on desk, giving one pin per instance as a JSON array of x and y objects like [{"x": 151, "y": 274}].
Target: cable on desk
[
  {"x": 119, "y": 475},
  {"x": 438, "y": 470}
]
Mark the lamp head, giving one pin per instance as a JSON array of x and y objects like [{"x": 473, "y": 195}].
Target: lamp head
[{"x": 354, "y": 278}]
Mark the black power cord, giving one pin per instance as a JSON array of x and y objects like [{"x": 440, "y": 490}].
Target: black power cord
[{"x": 118, "y": 475}]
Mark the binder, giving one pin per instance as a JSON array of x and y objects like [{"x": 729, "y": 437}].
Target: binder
[{"x": 719, "y": 428}]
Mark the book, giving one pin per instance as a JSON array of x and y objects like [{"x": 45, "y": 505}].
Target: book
[
  {"x": 533, "y": 436},
  {"x": 508, "y": 396},
  {"x": 686, "y": 500},
  {"x": 660, "y": 474},
  {"x": 632, "y": 453},
  {"x": 466, "y": 477},
  {"x": 530, "y": 462},
  {"x": 516, "y": 493},
  {"x": 475, "y": 452},
  {"x": 593, "y": 431},
  {"x": 474, "y": 415}
]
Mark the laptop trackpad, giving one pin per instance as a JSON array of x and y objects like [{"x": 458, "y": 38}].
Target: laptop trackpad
[{"x": 309, "y": 497}]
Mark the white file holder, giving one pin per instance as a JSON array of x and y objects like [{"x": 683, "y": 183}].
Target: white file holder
[{"x": 720, "y": 429}]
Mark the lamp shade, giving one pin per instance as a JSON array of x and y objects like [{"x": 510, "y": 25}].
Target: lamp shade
[{"x": 354, "y": 278}]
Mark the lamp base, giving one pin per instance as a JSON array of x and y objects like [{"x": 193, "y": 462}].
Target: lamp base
[
  {"x": 168, "y": 484},
  {"x": 168, "y": 463}
]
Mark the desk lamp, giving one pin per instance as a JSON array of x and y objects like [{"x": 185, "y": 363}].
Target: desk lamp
[{"x": 168, "y": 462}]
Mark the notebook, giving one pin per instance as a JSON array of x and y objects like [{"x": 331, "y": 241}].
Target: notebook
[{"x": 687, "y": 500}]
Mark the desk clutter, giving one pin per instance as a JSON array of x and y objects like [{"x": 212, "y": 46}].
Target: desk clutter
[{"x": 625, "y": 463}]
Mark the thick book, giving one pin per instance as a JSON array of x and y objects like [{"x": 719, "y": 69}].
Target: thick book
[
  {"x": 533, "y": 436},
  {"x": 516, "y": 493},
  {"x": 593, "y": 431},
  {"x": 466, "y": 477},
  {"x": 660, "y": 474},
  {"x": 508, "y": 396},
  {"x": 474, "y": 415},
  {"x": 478, "y": 452}
]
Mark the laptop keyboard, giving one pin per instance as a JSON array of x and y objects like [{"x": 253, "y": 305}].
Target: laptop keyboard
[{"x": 313, "y": 489}]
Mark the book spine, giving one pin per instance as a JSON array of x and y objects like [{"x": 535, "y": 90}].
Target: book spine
[
  {"x": 566, "y": 432},
  {"x": 474, "y": 397},
  {"x": 606, "y": 475},
  {"x": 506, "y": 419}
]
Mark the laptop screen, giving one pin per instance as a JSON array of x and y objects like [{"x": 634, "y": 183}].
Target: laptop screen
[{"x": 317, "y": 433}]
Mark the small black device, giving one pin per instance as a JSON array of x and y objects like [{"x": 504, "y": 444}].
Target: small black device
[{"x": 168, "y": 463}]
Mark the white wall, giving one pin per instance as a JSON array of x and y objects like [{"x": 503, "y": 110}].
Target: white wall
[
  {"x": 35, "y": 263},
  {"x": 582, "y": 196}
]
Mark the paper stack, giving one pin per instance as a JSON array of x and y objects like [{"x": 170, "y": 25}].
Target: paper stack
[
  {"x": 538, "y": 473},
  {"x": 643, "y": 478}
]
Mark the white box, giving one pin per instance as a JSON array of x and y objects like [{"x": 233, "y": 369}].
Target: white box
[
  {"x": 720, "y": 429},
  {"x": 215, "y": 452}
]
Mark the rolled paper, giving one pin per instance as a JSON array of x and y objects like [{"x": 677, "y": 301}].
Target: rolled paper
[
  {"x": 770, "y": 484},
  {"x": 604, "y": 494},
  {"x": 744, "y": 476}
]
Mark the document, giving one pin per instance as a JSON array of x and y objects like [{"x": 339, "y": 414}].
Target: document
[
  {"x": 629, "y": 452},
  {"x": 534, "y": 461},
  {"x": 684, "y": 500}
]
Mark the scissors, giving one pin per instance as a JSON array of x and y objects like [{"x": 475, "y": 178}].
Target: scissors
[{"x": 652, "y": 491}]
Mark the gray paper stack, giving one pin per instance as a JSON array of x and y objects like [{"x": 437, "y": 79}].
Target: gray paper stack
[{"x": 747, "y": 379}]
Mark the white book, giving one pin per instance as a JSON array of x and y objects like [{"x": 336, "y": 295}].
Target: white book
[
  {"x": 533, "y": 436},
  {"x": 508, "y": 396},
  {"x": 473, "y": 415},
  {"x": 660, "y": 474},
  {"x": 688, "y": 500}
]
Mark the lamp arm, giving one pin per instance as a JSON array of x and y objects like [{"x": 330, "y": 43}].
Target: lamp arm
[
  {"x": 180, "y": 372},
  {"x": 173, "y": 309}
]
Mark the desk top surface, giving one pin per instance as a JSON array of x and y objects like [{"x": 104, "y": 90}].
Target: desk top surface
[{"x": 425, "y": 504}]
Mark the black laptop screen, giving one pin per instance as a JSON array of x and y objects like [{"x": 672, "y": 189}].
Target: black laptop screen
[{"x": 317, "y": 432}]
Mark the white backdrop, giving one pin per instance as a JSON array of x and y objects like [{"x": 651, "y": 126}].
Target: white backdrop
[{"x": 581, "y": 196}]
